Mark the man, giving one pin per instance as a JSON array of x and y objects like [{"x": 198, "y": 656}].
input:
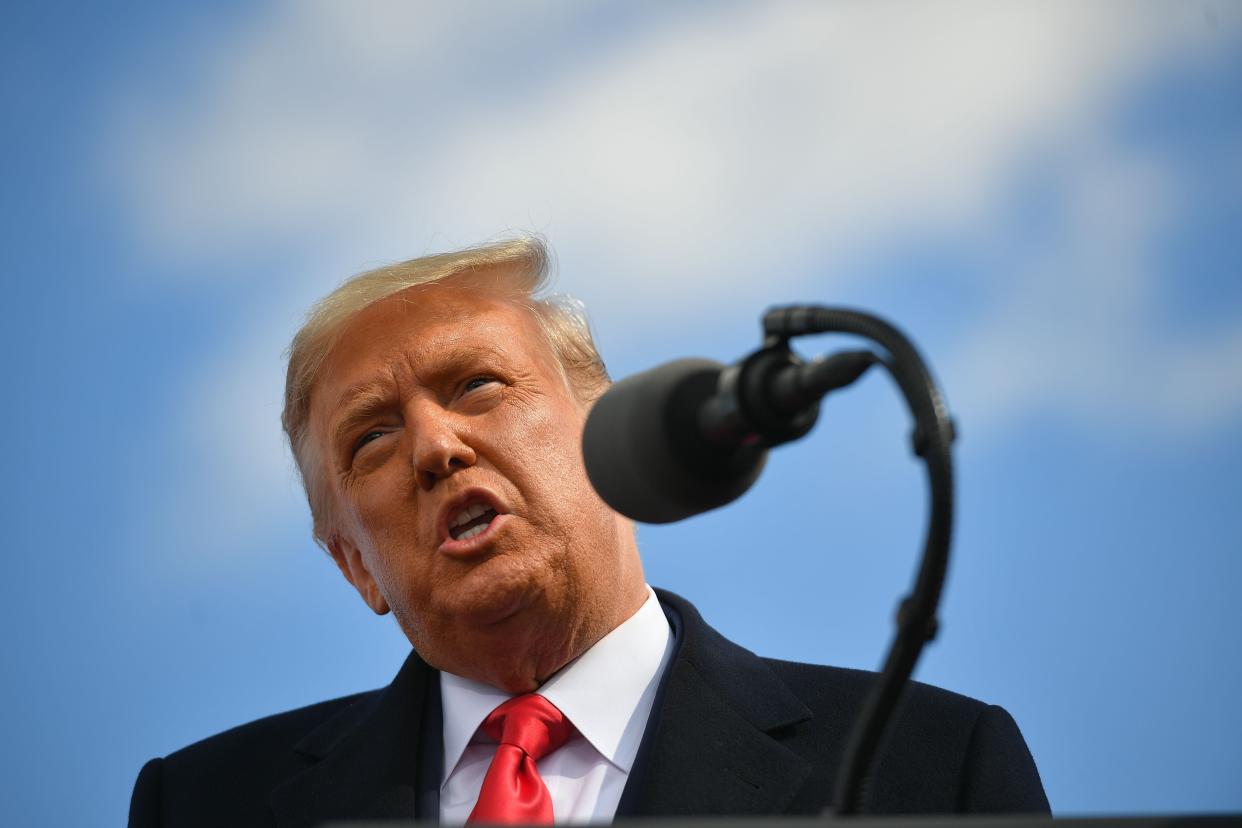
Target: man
[{"x": 435, "y": 410}]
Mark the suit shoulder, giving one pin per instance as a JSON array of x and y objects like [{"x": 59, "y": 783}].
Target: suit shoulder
[
  {"x": 931, "y": 727},
  {"x": 945, "y": 751},
  {"x": 278, "y": 734},
  {"x": 226, "y": 779},
  {"x": 818, "y": 683}
]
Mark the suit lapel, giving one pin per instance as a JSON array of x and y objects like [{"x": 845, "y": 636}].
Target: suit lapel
[
  {"x": 365, "y": 758},
  {"x": 710, "y": 746}
]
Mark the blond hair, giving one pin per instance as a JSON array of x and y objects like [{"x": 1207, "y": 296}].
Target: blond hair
[{"x": 523, "y": 263}]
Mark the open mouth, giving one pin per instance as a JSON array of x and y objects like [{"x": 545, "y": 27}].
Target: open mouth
[{"x": 471, "y": 521}]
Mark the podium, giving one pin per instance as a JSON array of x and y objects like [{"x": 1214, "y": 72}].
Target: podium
[{"x": 940, "y": 821}]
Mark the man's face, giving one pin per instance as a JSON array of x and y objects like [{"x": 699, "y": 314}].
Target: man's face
[{"x": 450, "y": 445}]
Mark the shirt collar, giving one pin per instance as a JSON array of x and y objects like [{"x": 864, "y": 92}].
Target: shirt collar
[{"x": 607, "y": 692}]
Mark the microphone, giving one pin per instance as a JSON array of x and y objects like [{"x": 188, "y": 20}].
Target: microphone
[{"x": 693, "y": 434}]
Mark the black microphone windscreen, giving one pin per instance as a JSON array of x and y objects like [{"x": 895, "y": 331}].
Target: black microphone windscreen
[{"x": 646, "y": 453}]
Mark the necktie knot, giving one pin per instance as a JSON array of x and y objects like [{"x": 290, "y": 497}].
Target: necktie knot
[
  {"x": 531, "y": 723},
  {"x": 527, "y": 728}
]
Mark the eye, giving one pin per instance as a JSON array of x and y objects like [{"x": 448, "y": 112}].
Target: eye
[
  {"x": 475, "y": 383},
  {"x": 366, "y": 438}
]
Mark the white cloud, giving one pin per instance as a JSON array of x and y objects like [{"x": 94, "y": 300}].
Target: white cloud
[
  {"x": 696, "y": 146},
  {"x": 232, "y": 482},
  {"x": 1078, "y": 330},
  {"x": 727, "y": 140}
]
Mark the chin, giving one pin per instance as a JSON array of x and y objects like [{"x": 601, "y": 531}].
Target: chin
[
  {"x": 497, "y": 664},
  {"x": 516, "y": 685},
  {"x": 515, "y": 653}
]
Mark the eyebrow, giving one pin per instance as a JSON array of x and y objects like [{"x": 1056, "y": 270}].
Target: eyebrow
[{"x": 362, "y": 402}]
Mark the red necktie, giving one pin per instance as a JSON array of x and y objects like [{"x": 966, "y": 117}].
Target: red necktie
[{"x": 528, "y": 728}]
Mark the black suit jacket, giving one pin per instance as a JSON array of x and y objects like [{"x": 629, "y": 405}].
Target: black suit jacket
[{"x": 731, "y": 733}]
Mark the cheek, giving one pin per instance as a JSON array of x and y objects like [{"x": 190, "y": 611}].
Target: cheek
[
  {"x": 557, "y": 483},
  {"x": 554, "y": 454},
  {"x": 385, "y": 527},
  {"x": 404, "y": 578}
]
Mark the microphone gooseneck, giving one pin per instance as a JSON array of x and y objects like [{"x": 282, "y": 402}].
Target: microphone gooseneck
[{"x": 932, "y": 441}]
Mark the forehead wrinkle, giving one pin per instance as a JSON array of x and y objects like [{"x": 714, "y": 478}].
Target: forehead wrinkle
[
  {"x": 483, "y": 328},
  {"x": 454, "y": 340},
  {"x": 363, "y": 394},
  {"x": 447, "y": 343}
]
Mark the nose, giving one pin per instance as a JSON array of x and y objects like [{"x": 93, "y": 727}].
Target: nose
[{"x": 438, "y": 445}]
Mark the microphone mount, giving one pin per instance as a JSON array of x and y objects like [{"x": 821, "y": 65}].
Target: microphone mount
[{"x": 772, "y": 396}]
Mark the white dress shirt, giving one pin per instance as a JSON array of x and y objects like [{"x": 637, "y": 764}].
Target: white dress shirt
[{"x": 607, "y": 694}]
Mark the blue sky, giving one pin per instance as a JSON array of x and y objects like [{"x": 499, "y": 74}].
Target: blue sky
[{"x": 1045, "y": 197}]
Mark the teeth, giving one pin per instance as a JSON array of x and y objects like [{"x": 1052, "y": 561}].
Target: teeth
[
  {"x": 468, "y": 514},
  {"x": 470, "y": 533}
]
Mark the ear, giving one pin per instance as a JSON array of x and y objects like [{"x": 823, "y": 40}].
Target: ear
[{"x": 349, "y": 558}]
